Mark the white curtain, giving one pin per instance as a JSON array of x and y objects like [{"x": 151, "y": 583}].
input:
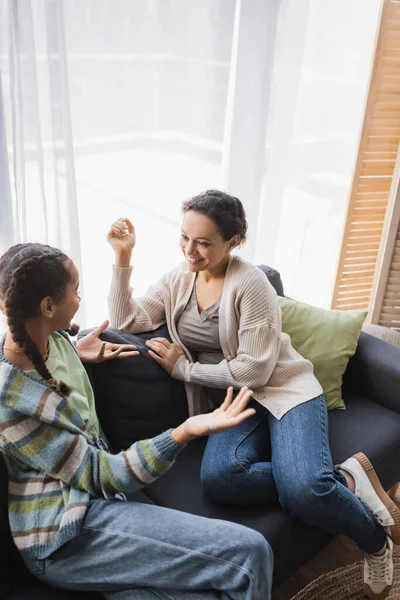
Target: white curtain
[{"x": 127, "y": 107}]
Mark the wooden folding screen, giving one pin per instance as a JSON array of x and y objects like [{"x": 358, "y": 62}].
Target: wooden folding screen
[
  {"x": 384, "y": 306},
  {"x": 373, "y": 174}
]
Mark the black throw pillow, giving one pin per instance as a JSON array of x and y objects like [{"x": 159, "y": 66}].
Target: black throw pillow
[{"x": 135, "y": 398}]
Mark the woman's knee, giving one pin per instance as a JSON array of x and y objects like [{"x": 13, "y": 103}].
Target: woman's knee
[
  {"x": 302, "y": 498},
  {"x": 218, "y": 475},
  {"x": 216, "y": 487}
]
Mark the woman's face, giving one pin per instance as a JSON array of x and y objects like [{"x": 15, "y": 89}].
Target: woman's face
[{"x": 202, "y": 245}]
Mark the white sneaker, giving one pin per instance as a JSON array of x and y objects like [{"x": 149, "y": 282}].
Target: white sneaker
[
  {"x": 378, "y": 573},
  {"x": 369, "y": 489}
]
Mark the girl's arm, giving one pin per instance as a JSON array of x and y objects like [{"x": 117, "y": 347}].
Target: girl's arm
[{"x": 68, "y": 457}]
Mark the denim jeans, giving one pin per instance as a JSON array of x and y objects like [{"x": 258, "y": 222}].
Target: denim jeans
[
  {"x": 134, "y": 551},
  {"x": 264, "y": 461}
]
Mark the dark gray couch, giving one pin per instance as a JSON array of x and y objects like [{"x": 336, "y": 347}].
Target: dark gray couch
[{"x": 371, "y": 424}]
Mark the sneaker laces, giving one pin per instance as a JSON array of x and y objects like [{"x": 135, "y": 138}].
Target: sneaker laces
[{"x": 378, "y": 566}]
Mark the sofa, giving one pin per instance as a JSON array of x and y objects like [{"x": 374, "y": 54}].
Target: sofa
[{"x": 370, "y": 424}]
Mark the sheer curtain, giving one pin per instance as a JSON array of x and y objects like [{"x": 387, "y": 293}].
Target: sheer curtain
[{"x": 126, "y": 108}]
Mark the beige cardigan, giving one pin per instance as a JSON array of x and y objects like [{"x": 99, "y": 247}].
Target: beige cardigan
[{"x": 257, "y": 353}]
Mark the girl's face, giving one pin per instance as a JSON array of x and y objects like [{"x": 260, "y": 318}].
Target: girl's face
[
  {"x": 202, "y": 245},
  {"x": 64, "y": 311}
]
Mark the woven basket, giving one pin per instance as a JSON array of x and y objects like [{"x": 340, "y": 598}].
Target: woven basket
[{"x": 345, "y": 584}]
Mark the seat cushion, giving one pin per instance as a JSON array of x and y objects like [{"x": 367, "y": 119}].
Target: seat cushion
[
  {"x": 368, "y": 427},
  {"x": 180, "y": 489},
  {"x": 135, "y": 398},
  {"x": 363, "y": 426}
]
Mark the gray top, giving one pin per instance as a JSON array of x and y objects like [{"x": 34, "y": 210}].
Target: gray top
[{"x": 199, "y": 331}]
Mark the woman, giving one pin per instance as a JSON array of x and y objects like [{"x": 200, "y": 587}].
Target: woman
[
  {"x": 65, "y": 490},
  {"x": 225, "y": 322}
]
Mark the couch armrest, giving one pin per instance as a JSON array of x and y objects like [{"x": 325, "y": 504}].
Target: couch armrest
[{"x": 374, "y": 371}]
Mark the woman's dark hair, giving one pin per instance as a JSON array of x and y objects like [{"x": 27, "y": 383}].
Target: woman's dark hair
[
  {"x": 225, "y": 210},
  {"x": 29, "y": 273}
]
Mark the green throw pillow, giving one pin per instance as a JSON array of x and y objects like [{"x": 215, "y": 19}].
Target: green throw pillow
[{"x": 327, "y": 338}]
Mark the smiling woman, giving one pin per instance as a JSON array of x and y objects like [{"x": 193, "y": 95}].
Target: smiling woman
[{"x": 225, "y": 324}]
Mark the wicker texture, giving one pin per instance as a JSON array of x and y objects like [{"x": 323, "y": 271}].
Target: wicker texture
[{"x": 345, "y": 584}]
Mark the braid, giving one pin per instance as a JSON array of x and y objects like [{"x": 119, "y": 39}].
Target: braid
[{"x": 15, "y": 302}]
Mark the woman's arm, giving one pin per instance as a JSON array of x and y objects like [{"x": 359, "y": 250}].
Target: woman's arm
[
  {"x": 132, "y": 315},
  {"x": 253, "y": 365}
]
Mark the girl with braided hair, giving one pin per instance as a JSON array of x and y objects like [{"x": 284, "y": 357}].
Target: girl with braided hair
[
  {"x": 224, "y": 320},
  {"x": 65, "y": 489}
]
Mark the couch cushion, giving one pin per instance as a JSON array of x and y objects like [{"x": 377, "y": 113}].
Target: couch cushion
[
  {"x": 135, "y": 398},
  {"x": 364, "y": 426},
  {"x": 368, "y": 427},
  {"x": 327, "y": 338}
]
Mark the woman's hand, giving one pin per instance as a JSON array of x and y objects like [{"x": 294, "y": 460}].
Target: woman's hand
[
  {"x": 164, "y": 353},
  {"x": 91, "y": 348},
  {"x": 227, "y": 415},
  {"x": 122, "y": 238}
]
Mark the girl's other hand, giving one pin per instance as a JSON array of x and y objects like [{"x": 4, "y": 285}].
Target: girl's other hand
[{"x": 229, "y": 414}]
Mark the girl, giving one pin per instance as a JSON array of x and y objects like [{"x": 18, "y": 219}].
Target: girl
[
  {"x": 65, "y": 512},
  {"x": 224, "y": 319}
]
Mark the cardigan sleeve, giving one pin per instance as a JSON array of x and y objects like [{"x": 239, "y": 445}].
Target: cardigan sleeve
[
  {"x": 259, "y": 342},
  {"x": 134, "y": 314},
  {"x": 69, "y": 458}
]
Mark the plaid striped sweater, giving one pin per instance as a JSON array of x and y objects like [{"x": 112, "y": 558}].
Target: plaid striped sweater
[{"x": 54, "y": 467}]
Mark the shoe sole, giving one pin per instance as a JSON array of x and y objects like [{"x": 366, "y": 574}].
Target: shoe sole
[
  {"x": 384, "y": 594},
  {"x": 387, "y": 501}
]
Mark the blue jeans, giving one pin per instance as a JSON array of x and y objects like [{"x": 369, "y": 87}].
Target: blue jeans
[
  {"x": 135, "y": 551},
  {"x": 238, "y": 469}
]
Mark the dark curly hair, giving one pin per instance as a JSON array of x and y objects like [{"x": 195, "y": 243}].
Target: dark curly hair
[
  {"x": 225, "y": 210},
  {"x": 29, "y": 273}
]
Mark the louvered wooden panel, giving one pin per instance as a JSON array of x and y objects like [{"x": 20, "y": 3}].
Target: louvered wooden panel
[
  {"x": 384, "y": 307},
  {"x": 374, "y": 169},
  {"x": 390, "y": 309}
]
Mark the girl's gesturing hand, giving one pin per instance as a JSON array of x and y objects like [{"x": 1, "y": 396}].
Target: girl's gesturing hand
[
  {"x": 91, "y": 348},
  {"x": 230, "y": 413},
  {"x": 122, "y": 237}
]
